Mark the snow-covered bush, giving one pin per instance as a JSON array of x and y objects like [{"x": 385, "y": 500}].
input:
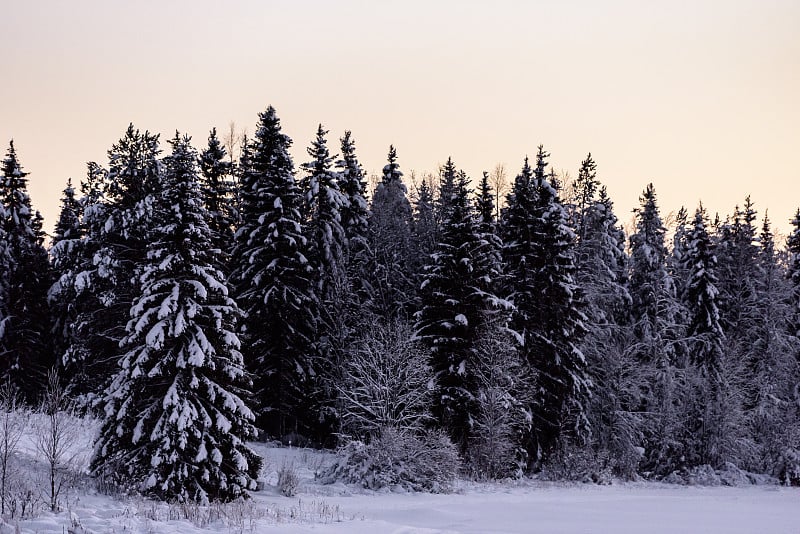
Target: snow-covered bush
[
  {"x": 789, "y": 467},
  {"x": 494, "y": 447},
  {"x": 426, "y": 462}
]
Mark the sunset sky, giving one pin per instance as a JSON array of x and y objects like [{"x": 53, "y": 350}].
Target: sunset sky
[{"x": 700, "y": 97}]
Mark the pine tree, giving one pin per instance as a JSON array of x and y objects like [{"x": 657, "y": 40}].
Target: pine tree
[
  {"x": 458, "y": 300},
  {"x": 218, "y": 192},
  {"x": 388, "y": 281},
  {"x": 25, "y": 350},
  {"x": 274, "y": 283},
  {"x": 175, "y": 421}
]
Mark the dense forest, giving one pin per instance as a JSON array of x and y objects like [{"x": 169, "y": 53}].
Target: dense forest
[{"x": 195, "y": 301}]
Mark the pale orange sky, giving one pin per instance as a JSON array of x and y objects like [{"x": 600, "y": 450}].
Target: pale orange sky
[{"x": 699, "y": 97}]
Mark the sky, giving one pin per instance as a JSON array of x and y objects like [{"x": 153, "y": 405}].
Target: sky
[{"x": 699, "y": 97}]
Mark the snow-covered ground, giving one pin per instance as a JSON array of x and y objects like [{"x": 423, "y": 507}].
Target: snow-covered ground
[{"x": 521, "y": 507}]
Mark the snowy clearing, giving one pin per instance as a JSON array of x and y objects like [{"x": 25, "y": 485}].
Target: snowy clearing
[{"x": 509, "y": 508}]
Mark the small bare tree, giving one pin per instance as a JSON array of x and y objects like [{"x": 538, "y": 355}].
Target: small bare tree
[
  {"x": 57, "y": 434},
  {"x": 498, "y": 179},
  {"x": 12, "y": 427},
  {"x": 233, "y": 140}
]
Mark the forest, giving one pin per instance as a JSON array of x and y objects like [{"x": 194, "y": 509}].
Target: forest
[{"x": 196, "y": 302}]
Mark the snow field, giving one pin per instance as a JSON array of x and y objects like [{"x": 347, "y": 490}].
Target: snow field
[{"x": 528, "y": 507}]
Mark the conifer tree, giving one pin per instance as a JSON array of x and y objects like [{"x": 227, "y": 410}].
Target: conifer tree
[
  {"x": 388, "y": 282},
  {"x": 117, "y": 206},
  {"x": 323, "y": 203},
  {"x": 556, "y": 326},
  {"x": 458, "y": 299},
  {"x": 175, "y": 422},
  {"x": 655, "y": 335},
  {"x": 274, "y": 286},
  {"x": 584, "y": 191},
  {"x": 66, "y": 256},
  {"x": 25, "y": 351},
  {"x": 218, "y": 192},
  {"x": 793, "y": 274},
  {"x": 425, "y": 225},
  {"x": 701, "y": 297},
  {"x": 355, "y": 212}
]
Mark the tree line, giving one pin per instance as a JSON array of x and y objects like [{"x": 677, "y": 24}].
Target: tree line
[{"x": 193, "y": 302}]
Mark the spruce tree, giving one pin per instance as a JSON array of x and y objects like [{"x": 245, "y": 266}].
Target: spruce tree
[
  {"x": 457, "y": 300},
  {"x": 118, "y": 219},
  {"x": 701, "y": 297},
  {"x": 793, "y": 274},
  {"x": 218, "y": 192},
  {"x": 25, "y": 349},
  {"x": 355, "y": 212},
  {"x": 655, "y": 336},
  {"x": 274, "y": 284},
  {"x": 66, "y": 256},
  {"x": 388, "y": 281},
  {"x": 556, "y": 325},
  {"x": 175, "y": 422},
  {"x": 323, "y": 203}
]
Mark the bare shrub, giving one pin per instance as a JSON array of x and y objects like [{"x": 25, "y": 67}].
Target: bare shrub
[
  {"x": 288, "y": 480},
  {"x": 12, "y": 426},
  {"x": 55, "y": 438}
]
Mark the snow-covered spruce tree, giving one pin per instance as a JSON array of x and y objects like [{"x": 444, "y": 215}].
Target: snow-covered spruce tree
[
  {"x": 425, "y": 229},
  {"x": 773, "y": 422},
  {"x": 387, "y": 280},
  {"x": 601, "y": 274},
  {"x": 327, "y": 246},
  {"x": 555, "y": 325},
  {"x": 175, "y": 422},
  {"x": 655, "y": 335},
  {"x": 25, "y": 349},
  {"x": 705, "y": 331},
  {"x": 457, "y": 299},
  {"x": 793, "y": 275},
  {"x": 355, "y": 212},
  {"x": 714, "y": 412},
  {"x": 72, "y": 297},
  {"x": 323, "y": 203},
  {"x": 219, "y": 192},
  {"x": 66, "y": 256},
  {"x": 274, "y": 285},
  {"x": 118, "y": 219}
]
